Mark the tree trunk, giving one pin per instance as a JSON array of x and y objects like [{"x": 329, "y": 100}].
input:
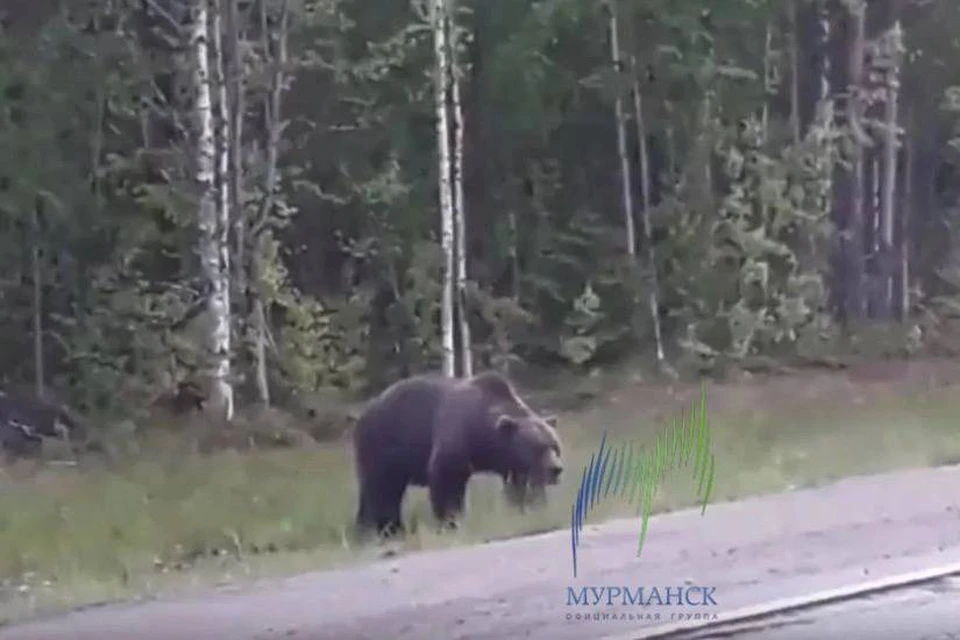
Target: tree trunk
[
  {"x": 211, "y": 251},
  {"x": 854, "y": 254},
  {"x": 459, "y": 209},
  {"x": 625, "y": 179},
  {"x": 835, "y": 28},
  {"x": 890, "y": 143},
  {"x": 36, "y": 268},
  {"x": 273, "y": 130},
  {"x": 671, "y": 144},
  {"x": 824, "y": 111},
  {"x": 224, "y": 153},
  {"x": 514, "y": 254},
  {"x": 441, "y": 104},
  {"x": 904, "y": 227},
  {"x": 795, "y": 122},
  {"x": 236, "y": 98},
  {"x": 645, "y": 185},
  {"x": 811, "y": 29},
  {"x": 767, "y": 89},
  {"x": 871, "y": 216},
  {"x": 825, "y": 36}
]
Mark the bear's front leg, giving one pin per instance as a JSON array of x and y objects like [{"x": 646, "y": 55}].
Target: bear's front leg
[
  {"x": 448, "y": 488},
  {"x": 515, "y": 490}
]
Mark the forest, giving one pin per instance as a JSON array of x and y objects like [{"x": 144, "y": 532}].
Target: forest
[{"x": 261, "y": 200}]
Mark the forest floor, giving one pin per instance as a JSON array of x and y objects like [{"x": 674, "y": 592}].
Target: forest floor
[{"x": 173, "y": 523}]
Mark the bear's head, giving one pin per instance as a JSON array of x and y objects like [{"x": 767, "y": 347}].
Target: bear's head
[{"x": 534, "y": 446}]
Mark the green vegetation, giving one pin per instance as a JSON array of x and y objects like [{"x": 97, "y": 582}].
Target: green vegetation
[
  {"x": 246, "y": 200},
  {"x": 741, "y": 187},
  {"x": 169, "y": 523}
]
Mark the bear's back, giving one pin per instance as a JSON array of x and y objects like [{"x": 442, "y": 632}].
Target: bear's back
[{"x": 396, "y": 429}]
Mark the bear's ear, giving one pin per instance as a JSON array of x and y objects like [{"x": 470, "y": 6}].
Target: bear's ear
[
  {"x": 551, "y": 420},
  {"x": 507, "y": 426}
]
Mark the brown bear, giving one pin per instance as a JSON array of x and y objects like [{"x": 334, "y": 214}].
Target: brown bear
[{"x": 432, "y": 431}]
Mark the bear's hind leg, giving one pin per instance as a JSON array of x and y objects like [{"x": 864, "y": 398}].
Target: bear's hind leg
[
  {"x": 381, "y": 503},
  {"x": 366, "y": 520},
  {"x": 390, "y": 520}
]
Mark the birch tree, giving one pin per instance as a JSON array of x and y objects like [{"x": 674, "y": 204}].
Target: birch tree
[
  {"x": 905, "y": 218},
  {"x": 36, "y": 269},
  {"x": 213, "y": 247},
  {"x": 237, "y": 100},
  {"x": 768, "y": 92},
  {"x": 850, "y": 207},
  {"x": 459, "y": 209},
  {"x": 438, "y": 21},
  {"x": 872, "y": 246},
  {"x": 856, "y": 106},
  {"x": 795, "y": 126},
  {"x": 273, "y": 127},
  {"x": 224, "y": 153},
  {"x": 625, "y": 178},
  {"x": 824, "y": 119},
  {"x": 887, "y": 213},
  {"x": 645, "y": 185}
]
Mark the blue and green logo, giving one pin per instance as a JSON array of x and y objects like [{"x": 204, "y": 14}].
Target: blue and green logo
[{"x": 635, "y": 474}]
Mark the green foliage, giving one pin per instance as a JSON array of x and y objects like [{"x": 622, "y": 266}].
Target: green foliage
[
  {"x": 765, "y": 254},
  {"x": 343, "y": 255}
]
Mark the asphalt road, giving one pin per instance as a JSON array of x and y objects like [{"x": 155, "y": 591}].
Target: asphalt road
[
  {"x": 930, "y": 612},
  {"x": 742, "y": 553}
]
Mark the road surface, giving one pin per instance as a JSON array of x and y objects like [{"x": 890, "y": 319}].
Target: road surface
[
  {"x": 928, "y": 612},
  {"x": 742, "y": 554}
]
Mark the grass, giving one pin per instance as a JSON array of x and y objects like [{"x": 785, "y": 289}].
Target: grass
[{"x": 177, "y": 523}]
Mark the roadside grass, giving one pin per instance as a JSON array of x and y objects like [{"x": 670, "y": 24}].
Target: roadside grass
[{"x": 174, "y": 523}]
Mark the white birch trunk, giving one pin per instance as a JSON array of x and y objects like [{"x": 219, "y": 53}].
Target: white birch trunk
[
  {"x": 438, "y": 22},
  {"x": 855, "y": 107},
  {"x": 823, "y": 19},
  {"x": 654, "y": 295},
  {"x": 514, "y": 254},
  {"x": 625, "y": 179},
  {"x": 224, "y": 153},
  {"x": 212, "y": 248},
  {"x": 825, "y": 120},
  {"x": 36, "y": 268},
  {"x": 795, "y": 73},
  {"x": 238, "y": 109},
  {"x": 459, "y": 210},
  {"x": 906, "y": 213},
  {"x": 767, "y": 70},
  {"x": 671, "y": 144},
  {"x": 887, "y": 203},
  {"x": 274, "y": 129},
  {"x": 876, "y": 207},
  {"x": 704, "y": 141}
]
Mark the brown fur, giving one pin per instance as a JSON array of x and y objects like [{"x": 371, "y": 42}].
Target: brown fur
[{"x": 437, "y": 432}]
